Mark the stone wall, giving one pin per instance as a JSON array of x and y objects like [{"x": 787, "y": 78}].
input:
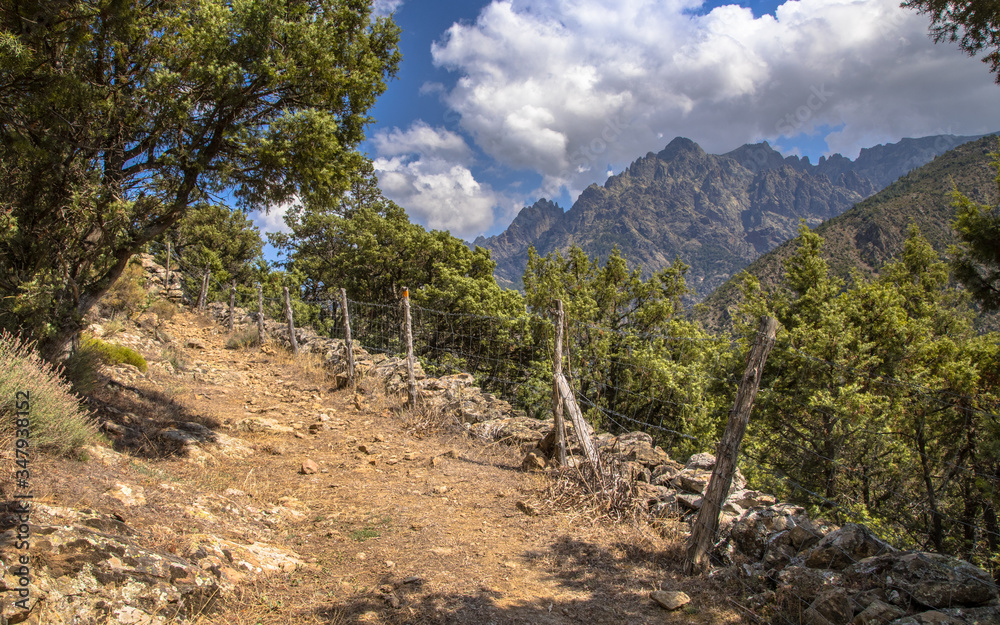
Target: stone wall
[{"x": 793, "y": 568}]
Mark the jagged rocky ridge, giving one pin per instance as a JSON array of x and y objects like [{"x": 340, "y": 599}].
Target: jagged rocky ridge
[
  {"x": 717, "y": 213},
  {"x": 873, "y": 232}
]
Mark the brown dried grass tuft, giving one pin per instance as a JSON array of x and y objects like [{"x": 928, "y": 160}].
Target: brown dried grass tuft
[{"x": 608, "y": 492}]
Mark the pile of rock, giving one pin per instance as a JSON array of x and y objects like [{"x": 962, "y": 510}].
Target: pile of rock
[
  {"x": 800, "y": 569},
  {"x": 91, "y": 567},
  {"x": 157, "y": 282},
  {"x": 849, "y": 575}
]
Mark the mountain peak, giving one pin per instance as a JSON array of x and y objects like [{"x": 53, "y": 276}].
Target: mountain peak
[{"x": 680, "y": 146}]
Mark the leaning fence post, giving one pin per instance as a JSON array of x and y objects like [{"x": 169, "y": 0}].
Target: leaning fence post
[
  {"x": 260, "y": 313},
  {"x": 203, "y": 295},
  {"x": 705, "y": 526},
  {"x": 557, "y": 404},
  {"x": 232, "y": 304},
  {"x": 411, "y": 384},
  {"x": 580, "y": 426},
  {"x": 291, "y": 324},
  {"x": 347, "y": 338}
]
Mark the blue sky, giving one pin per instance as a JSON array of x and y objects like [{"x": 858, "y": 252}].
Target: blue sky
[{"x": 498, "y": 104}]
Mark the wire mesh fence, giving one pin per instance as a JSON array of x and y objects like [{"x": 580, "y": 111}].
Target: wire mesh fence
[{"x": 935, "y": 490}]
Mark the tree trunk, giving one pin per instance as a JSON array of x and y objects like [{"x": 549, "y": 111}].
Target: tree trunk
[{"x": 935, "y": 531}]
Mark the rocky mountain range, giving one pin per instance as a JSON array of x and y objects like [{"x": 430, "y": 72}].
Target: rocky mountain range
[
  {"x": 716, "y": 212},
  {"x": 871, "y": 233}
]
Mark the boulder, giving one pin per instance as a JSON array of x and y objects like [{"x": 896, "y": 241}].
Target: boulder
[
  {"x": 634, "y": 438},
  {"x": 752, "y": 499},
  {"x": 451, "y": 383},
  {"x": 987, "y": 615},
  {"x": 750, "y": 533},
  {"x": 534, "y": 460},
  {"x": 650, "y": 457},
  {"x": 635, "y": 472},
  {"x": 807, "y": 584},
  {"x": 926, "y": 579},
  {"x": 846, "y": 546},
  {"x": 831, "y": 607},
  {"x": 692, "y": 480},
  {"x": 689, "y": 501},
  {"x": 778, "y": 551},
  {"x": 662, "y": 474},
  {"x": 670, "y": 599},
  {"x": 513, "y": 430},
  {"x": 878, "y": 612},
  {"x": 933, "y": 617},
  {"x": 705, "y": 462}
]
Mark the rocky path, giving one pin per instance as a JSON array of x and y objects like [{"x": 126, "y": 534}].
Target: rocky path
[{"x": 310, "y": 505}]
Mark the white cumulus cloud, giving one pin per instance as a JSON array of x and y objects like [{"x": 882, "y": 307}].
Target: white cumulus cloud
[
  {"x": 274, "y": 219},
  {"x": 385, "y": 7},
  {"x": 564, "y": 87},
  {"x": 426, "y": 171}
]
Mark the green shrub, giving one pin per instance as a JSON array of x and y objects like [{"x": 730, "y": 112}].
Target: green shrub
[
  {"x": 114, "y": 354},
  {"x": 244, "y": 338},
  {"x": 82, "y": 365},
  {"x": 57, "y": 423}
]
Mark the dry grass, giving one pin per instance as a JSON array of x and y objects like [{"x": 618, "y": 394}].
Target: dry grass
[{"x": 55, "y": 420}]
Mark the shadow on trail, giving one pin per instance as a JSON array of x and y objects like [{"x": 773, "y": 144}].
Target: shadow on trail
[
  {"x": 596, "y": 585},
  {"x": 147, "y": 423}
]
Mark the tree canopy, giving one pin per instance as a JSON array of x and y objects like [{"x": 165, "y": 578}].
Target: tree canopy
[
  {"x": 636, "y": 361},
  {"x": 974, "y": 24},
  {"x": 878, "y": 399},
  {"x": 977, "y": 259},
  {"x": 117, "y": 117}
]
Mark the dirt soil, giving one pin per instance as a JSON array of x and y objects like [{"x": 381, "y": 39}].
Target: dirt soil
[{"x": 407, "y": 520}]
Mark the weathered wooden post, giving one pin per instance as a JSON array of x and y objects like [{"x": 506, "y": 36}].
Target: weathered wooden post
[
  {"x": 707, "y": 523},
  {"x": 203, "y": 295},
  {"x": 260, "y": 313},
  {"x": 232, "y": 305},
  {"x": 557, "y": 404},
  {"x": 411, "y": 384},
  {"x": 291, "y": 324},
  {"x": 347, "y": 338},
  {"x": 166, "y": 279},
  {"x": 580, "y": 426}
]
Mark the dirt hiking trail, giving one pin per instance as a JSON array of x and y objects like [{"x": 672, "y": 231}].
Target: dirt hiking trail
[{"x": 359, "y": 511}]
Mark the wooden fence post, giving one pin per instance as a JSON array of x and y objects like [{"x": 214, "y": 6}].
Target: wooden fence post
[
  {"x": 557, "y": 404},
  {"x": 166, "y": 280},
  {"x": 291, "y": 324},
  {"x": 580, "y": 426},
  {"x": 260, "y": 313},
  {"x": 203, "y": 295},
  {"x": 411, "y": 381},
  {"x": 347, "y": 338},
  {"x": 705, "y": 526},
  {"x": 232, "y": 305}
]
